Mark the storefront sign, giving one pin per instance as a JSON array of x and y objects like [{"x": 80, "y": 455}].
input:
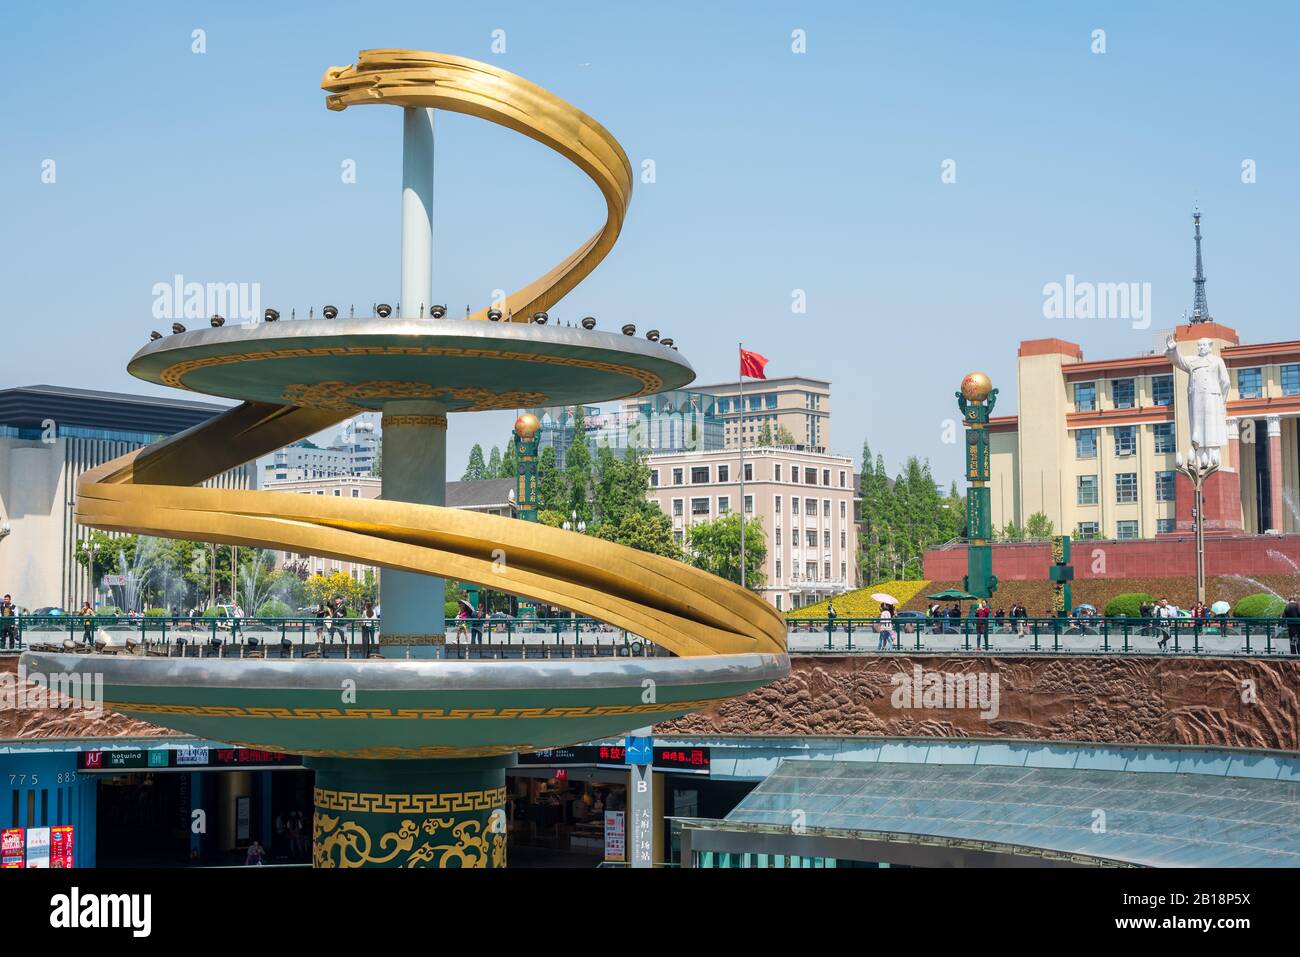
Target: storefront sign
[
  {"x": 38, "y": 847},
  {"x": 680, "y": 760},
  {"x": 692, "y": 760},
  {"x": 190, "y": 757},
  {"x": 61, "y": 846},
  {"x": 615, "y": 847},
  {"x": 11, "y": 847}
]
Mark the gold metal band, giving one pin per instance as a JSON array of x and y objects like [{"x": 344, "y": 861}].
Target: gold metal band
[{"x": 414, "y": 421}]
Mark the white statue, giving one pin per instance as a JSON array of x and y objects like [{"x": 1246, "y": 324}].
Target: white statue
[{"x": 1207, "y": 398}]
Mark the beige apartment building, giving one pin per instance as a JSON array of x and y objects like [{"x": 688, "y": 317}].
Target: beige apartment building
[
  {"x": 801, "y": 405},
  {"x": 803, "y": 499},
  {"x": 1094, "y": 443}
]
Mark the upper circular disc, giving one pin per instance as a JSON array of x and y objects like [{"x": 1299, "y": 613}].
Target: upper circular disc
[{"x": 362, "y": 364}]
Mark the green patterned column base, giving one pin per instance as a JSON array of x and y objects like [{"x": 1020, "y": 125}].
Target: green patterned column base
[{"x": 444, "y": 813}]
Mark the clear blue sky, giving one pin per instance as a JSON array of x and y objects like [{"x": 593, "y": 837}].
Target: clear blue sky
[{"x": 775, "y": 171}]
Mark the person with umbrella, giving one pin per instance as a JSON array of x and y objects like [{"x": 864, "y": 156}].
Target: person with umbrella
[
  {"x": 463, "y": 612},
  {"x": 886, "y": 618}
]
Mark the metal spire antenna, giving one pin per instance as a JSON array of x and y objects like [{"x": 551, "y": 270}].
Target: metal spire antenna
[{"x": 1200, "y": 309}]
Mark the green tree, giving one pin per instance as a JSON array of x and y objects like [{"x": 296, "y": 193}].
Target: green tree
[
  {"x": 765, "y": 436},
  {"x": 475, "y": 470},
  {"x": 783, "y": 436},
  {"x": 493, "y": 463},
  {"x": 1011, "y": 532},
  {"x": 509, "y": 467},
  {"x": 1039, "y": 526},
  {"x": 577, "y": 472},
  {"x": 714, "y": 546},
  {"x": 550, "y": 483},
  {"x": 647, "y": 530}
]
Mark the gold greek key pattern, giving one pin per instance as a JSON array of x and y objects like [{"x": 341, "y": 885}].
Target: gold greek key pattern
[
  {"x": 409, "y": 714},
  {"x": 444, "y": 802},
  {"x": 385, "y": 752},
  {"x": 424, "y": 638},
  {"x": 414, "y": 421},
  {"x": 175, "y": 374}
]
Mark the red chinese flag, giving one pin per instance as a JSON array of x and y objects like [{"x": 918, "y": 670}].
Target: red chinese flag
[{"x": 751, "y": 364}]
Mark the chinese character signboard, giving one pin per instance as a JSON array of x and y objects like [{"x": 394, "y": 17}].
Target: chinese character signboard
[
  {"x": 11, "y": 847},
  {"x": 615, "y": 845},
  {"x": 61, "y": 846},
  {"x": 38, "y": 847}
]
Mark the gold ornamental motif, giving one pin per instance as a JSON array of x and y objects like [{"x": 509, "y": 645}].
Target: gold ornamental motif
[
  {"x": 341, "y": 843},
  {"x": 414, "y": 422},
  {"x": 348, "y": 396},
  {"x": 445, "y": 802}
]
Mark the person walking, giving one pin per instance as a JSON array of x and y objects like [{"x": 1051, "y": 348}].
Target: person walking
[
  {"x": 1163, "y": 613},
  {"x": 338, "y": 614},
  {"x": 982, "y": 614},
  {"x": 476, "y": 622},
  {"x": 830, "y": 614},
  {"x": 886, "y": 626},
  {"x": 1292, "y": 615},
  {"x": 368, "y": 619},
  {"x": 463, "y": 611},
  {"x": 322, "y": 621},
  {"x": 87, "y": 624},
  {"x": 236, "y": 620},
  {"x": 256, "y": 855}
]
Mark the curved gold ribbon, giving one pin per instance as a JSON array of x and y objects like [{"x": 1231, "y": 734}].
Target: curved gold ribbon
[
  {"x": 680, "y": 608},
  {"x": 410, "y": 78}
]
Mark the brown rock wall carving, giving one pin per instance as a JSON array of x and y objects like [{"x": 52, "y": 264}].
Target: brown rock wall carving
[{"x": 1139, "y": 700}]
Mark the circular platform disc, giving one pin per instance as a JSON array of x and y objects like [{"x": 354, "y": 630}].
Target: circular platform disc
[
  {"x": 410, "y": 709},
  {"x": 362, "y": 364}
]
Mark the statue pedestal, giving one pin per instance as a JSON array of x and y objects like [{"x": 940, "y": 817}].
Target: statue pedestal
[{"x": 1222, "y": 497}]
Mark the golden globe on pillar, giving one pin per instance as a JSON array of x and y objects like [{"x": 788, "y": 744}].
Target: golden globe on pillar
[{"x": 976, "y": 387}]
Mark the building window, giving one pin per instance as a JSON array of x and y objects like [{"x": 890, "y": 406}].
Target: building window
[
  {"x": 826, "y": 508},
  {"x": 1164, "y": 526},
  {"x": 654, "y": 478},
  {"x": 776, "y": 505},
  {"x": 826, "y": 477},
  {"x": 699, "y": 506},
  {"x": 677, "y": 536},
  {"x": 826, "y": 571},
  {"x": 1126, "y": 529},
  {"x": 677, "y": 476},
  {"x": 778, "y": 539},
  {"x": 1125, "y": 439},
  {"x": 749, "y": 472},
  {"x": 1085, "y": 397},
  {"x": 778, "y": 597},
  {"x": 724, "y": 504},
  {"x": 809, "y": 476},
  {"x": 677, "y": 507},
  {"x": 810, "y": 537},
  {"x": 843, "y": 506},
  {"x": 724, "y": 473},
  {"x": 1250, "y": 384},
  {"x": 1164, "y": 436},
  {"x": 843, "y": 479},
  {"x": 777, "y": 475},
  {"x": 1085, "y": 443},
  {"x": 700, "y": 475},
  {"x": 844, "y": 571},
  {"x": 794, "y": 474},
  {"x": 826, "y": 538},
  {"x": 778, "y": 576},
  {"x": 844, "y": 539},
  {"x": 1122, "y": 393},
  {"x": 1162, "y": 390},
  {"x": 1291, "y": 380},
  {"x": 794, "y": 508},
  {"x": 1087, "y": 490},
  {"x": 810, "y": 507},
  {"x": 749, "y": 505},
  {"x": 1086, "y": 530},
  {"x": 356, "y": 493},
  {"x": 1165, "y": 486},
  {"x": 1126, "y": 487}
]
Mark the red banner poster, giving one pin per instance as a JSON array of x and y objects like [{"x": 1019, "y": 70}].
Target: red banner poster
[
  {"x": 61, "y": 846},
  {"x": 12, "y": 846}
]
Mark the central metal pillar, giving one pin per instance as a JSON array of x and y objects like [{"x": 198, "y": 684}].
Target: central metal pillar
[
  {"x": 415, "y": 470},
  {"x": 417, "y": 213}
]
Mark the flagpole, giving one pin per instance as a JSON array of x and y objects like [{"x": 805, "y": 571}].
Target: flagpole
[{"x": 740, "y": 355}]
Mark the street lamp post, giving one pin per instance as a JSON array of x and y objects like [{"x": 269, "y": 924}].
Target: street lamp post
[{"x": 1198, "y": 468}]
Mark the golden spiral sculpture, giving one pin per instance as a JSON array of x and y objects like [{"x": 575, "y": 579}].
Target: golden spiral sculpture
[{"x": 151, "y": 491}]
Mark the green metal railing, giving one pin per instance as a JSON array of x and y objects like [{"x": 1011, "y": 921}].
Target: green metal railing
[
  {"x": 1251, "y": 636},
  {"x": 567, "y": 636}
]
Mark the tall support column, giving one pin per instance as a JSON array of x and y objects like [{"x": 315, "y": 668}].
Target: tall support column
[
  {"x": 415, "y": 470},
  {"x": 409, "y": 813},
  {"x": 417, "y": 213},
  {"x": 1275, "y": 476}
]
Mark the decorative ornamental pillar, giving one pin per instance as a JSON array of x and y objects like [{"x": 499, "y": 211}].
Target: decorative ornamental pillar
[
  {"x": 976, "y": 399},
  {"x": 526, "y": 440}
]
